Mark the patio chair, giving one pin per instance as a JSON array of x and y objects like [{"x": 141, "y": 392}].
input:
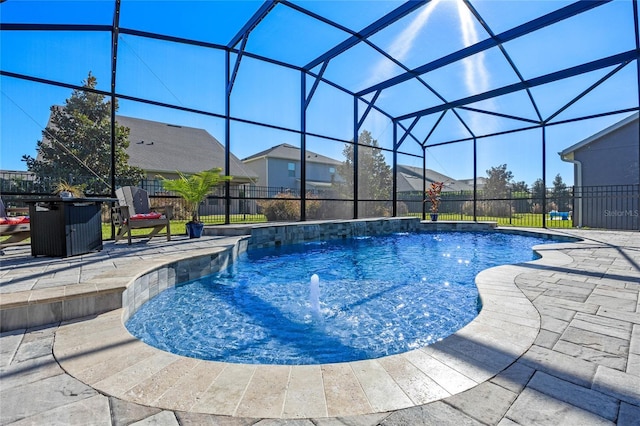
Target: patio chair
[
  {"x": 16, "y": 227},
  {"x": 134, "y": 212}
]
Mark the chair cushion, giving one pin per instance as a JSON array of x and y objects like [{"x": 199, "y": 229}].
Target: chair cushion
[
  {"x": 14, "y": 220},
  {"x": 142, "y": 216}
]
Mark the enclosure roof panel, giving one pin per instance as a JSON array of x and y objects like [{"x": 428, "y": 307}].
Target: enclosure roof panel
[
  {"x": 208, "y": 21},
  {"x": 454, "y": 64}
]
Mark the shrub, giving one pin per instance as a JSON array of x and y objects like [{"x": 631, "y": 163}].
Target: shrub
[
  {"x": 335, "y": 209},
  {"x": 286, "y": 207},
  {"x": 402, "y": 209},
  {"x": 536, "y": 208}
]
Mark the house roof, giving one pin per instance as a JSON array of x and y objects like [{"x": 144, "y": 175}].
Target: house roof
[
  {"x": 630, "y": 119},
  {"x": 480, "y": 180},
  {"x": 289, "y": 152},
  {"x": 161, "y": 147},
  {"x": 410, "y": 179}
]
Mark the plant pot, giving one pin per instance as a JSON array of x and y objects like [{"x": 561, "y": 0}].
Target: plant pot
[
  {"x": 434, "y": 217},
  {"x": 194, "y": 229}
]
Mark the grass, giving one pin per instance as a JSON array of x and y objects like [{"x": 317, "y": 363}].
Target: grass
[
  {"x": 178, "y": 227},
  {"x": 529, "y": 220}
]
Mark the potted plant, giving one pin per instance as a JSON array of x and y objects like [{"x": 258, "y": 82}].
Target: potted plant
[
  {"x": 194, "y": 189},
  {"x": 433, "y": 193},
  {"x": 66, "y": 190}
]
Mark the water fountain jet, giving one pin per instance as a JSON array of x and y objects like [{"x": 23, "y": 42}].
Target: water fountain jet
[{"x": 314, "y": 294}]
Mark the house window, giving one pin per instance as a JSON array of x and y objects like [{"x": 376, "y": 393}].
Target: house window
[
  {"x": 292, "y": 169},
  {"x": 332, "y": 170}
]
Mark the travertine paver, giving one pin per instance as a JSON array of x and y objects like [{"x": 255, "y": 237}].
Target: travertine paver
[
  {"x": 305, "y": 389},
  {"x": 537, "y": 408},
  {"x": 487, "y": 402},
  {"x": 585, "y": 398},
  {"x": 588, "y": 375}
]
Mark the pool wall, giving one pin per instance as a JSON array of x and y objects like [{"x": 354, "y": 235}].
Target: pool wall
[
  {"x": 274, "y": 234},
  {"x": 155, "y": 281}
]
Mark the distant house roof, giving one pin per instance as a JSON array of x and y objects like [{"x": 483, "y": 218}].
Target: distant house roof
[
  {"x": 481, "y": 181},
  {"x": 630, "y": 119},
  {"x": 289, "y": 152},
  {"x": 161, "y": 147},
  {"x": 410, "y": 179}
]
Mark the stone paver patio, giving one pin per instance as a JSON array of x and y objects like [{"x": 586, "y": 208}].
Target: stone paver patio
[{"x": 579, "y": 363}]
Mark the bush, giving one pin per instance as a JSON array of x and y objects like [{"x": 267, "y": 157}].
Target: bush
[
  {"x": 488, "y": 208},
  {"x": 402, "y": 209},
  {"x": 313, "y": 207},
  {"x": 335, "y": 209},
  {"x": 180, "y": 210},
  {"x": 286, "y": 207},
  {"x": 282, "y": 207},
  {"x": 536, "y": 208}
]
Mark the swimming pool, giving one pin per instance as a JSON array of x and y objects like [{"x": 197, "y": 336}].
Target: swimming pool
[{"x": 377, "y": 296}]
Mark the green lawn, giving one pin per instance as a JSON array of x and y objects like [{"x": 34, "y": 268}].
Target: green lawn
[
  {"x": 529, "y": 220},
  {"x": 178, "y": 227}
]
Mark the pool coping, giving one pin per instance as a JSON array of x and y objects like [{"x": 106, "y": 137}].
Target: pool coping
[{"x": 101, "y": 353}]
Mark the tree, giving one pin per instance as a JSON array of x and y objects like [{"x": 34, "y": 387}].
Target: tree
[
  {"x": 560, "y": 194},
  {"x": 498, "y": 179},
  {"x": 520, "y": 187},
  {"x": 497, "y": 187},
  {"x": 537, "y": 195},
  {"x": 76, "y": 144},
  {"x": 520, "y": 195},
  {"x": 374, "y": 174}
]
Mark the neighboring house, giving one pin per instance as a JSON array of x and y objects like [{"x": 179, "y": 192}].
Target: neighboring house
[
  {"x": 607, "y": 176},
  {"x": 162, "y": 149},
  {"x": 410, "y": 180},
  {"x": 279, "y": 167},
  {"x": 480, "y": 182},
  {"x": 410, "y": 186}
]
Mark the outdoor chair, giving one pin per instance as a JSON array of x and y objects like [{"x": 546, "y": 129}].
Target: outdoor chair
[
  {"x": 17, "y": 227},
  {"x": 134, "y": 212}
]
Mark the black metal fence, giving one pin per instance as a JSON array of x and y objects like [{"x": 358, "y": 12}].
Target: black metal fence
[{"x": 603, "y": 207}]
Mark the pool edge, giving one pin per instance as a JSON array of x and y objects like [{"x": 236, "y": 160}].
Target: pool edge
[{"x": 506, "y": 327}]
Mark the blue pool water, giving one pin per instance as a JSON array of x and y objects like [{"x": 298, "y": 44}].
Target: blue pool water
[{"x": 376, "y": 296}]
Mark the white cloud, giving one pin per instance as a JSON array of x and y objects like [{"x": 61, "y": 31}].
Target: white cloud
[
  {"x": 475, "y": 69},
  {"x": 402, "y": 45}
]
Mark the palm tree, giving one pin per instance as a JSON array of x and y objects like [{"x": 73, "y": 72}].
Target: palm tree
[{"x": 194, "y": 188}]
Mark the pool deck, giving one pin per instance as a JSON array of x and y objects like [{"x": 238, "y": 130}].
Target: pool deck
[{"x": 557, "y": 342}]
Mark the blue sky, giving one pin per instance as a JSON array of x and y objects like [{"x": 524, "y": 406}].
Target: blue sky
[{"x": 194, "y": 77}]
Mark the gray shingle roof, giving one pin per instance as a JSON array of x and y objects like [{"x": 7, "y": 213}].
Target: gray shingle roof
[
  {"x": 290, "y": 152},
  {"x": 161, "y": 147},
  {"x": 411, "y": 178}
]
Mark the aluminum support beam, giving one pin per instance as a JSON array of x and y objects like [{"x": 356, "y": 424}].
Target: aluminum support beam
[
  {"x": 380, "y": 24},
  {"x": 538, "y": 81},
  {"x": 252, "y": 22},
  {"x": 524, "y": 29},
  {"x": 368, "y": 110}
]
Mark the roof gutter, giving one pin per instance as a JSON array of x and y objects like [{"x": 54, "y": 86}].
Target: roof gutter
[{"x": 577, "y": 194}]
